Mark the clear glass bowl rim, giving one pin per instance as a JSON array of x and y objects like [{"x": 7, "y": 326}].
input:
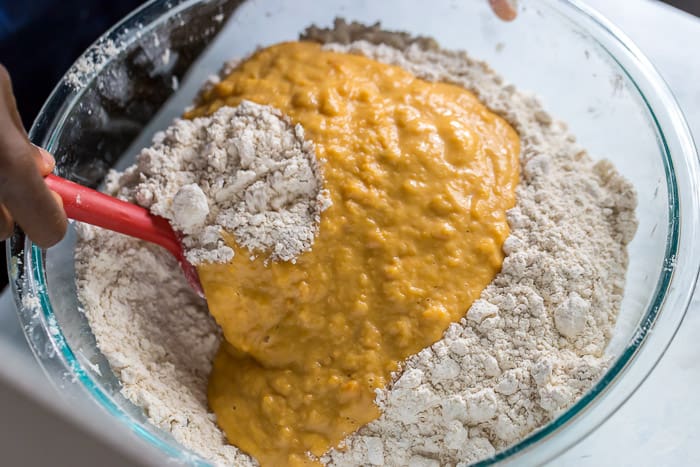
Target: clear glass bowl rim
[{"x": 31, "y": 278}]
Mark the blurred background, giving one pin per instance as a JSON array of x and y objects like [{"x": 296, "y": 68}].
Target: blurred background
[{"x": 55, "y": 32}]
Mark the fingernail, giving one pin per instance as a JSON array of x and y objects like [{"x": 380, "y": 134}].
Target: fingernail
[{"x": 47, "y": 158}]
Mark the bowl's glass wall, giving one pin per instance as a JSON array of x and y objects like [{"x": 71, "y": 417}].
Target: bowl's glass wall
[{"x": 553, "y": 50}]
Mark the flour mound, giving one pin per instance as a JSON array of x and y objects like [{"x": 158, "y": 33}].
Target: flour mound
[
  {"x": 527, "y": 349},
  {"x": 245, "y": 170},
  {"x": 156, "y": 334}
]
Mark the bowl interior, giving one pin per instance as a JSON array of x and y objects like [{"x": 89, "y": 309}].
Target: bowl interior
[{"x": 555, "y": 50}]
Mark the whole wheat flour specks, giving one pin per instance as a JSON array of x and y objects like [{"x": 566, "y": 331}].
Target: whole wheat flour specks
[
  {"x": 526, "y": 350},
  {"x": 246, "y": 170}
]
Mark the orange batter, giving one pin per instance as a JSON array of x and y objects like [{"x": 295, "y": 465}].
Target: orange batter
[{"x": 420, "y": 175}]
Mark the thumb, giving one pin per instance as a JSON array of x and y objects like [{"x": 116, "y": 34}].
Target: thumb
[{"x": 23, "y": 192}]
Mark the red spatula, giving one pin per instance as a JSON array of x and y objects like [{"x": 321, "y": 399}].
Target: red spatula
[{"x": 92, "y": 207}]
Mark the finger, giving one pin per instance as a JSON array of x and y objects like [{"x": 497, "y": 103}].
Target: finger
[
  {"x": 507, "y": 10},
  {"x": 22, "y": 189},
  {"x": 26, "y": 196},
  {"x": 44, "y": 160},
  {"x": 6, "y": 223},
  {"x": 8, "y": 100}
]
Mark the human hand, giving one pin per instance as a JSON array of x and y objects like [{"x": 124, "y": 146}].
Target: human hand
[
  {"x": 507, "y": 10},
  {"x": 24, "y": 197}
]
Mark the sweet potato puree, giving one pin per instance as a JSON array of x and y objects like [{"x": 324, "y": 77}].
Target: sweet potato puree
[{"x": 420, "y": 175}]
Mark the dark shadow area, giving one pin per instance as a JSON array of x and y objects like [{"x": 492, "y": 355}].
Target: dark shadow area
[
  {"x": 31, "y": 421},
  {"x": 691, "y": 6}
]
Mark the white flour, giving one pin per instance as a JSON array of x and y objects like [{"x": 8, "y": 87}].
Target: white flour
[
  {"x": 156, "y": 333},
  {"x": 246, "y": 170},
  {"x": 91, "y": 61},
  {"x": 528, "y": 348}
]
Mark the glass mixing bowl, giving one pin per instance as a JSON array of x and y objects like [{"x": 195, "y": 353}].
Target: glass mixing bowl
[{"x": 585, "y": 70}]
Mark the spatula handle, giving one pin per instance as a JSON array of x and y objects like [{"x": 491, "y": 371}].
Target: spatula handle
[{"x": 92, "y": 207}]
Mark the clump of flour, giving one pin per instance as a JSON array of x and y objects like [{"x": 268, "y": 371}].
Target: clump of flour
[
  {"x": 526, "y": 350},
  {"x": 245, "y": 170}
]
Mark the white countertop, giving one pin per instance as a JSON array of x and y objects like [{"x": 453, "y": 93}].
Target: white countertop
[{"x": 658, "y": 426}]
